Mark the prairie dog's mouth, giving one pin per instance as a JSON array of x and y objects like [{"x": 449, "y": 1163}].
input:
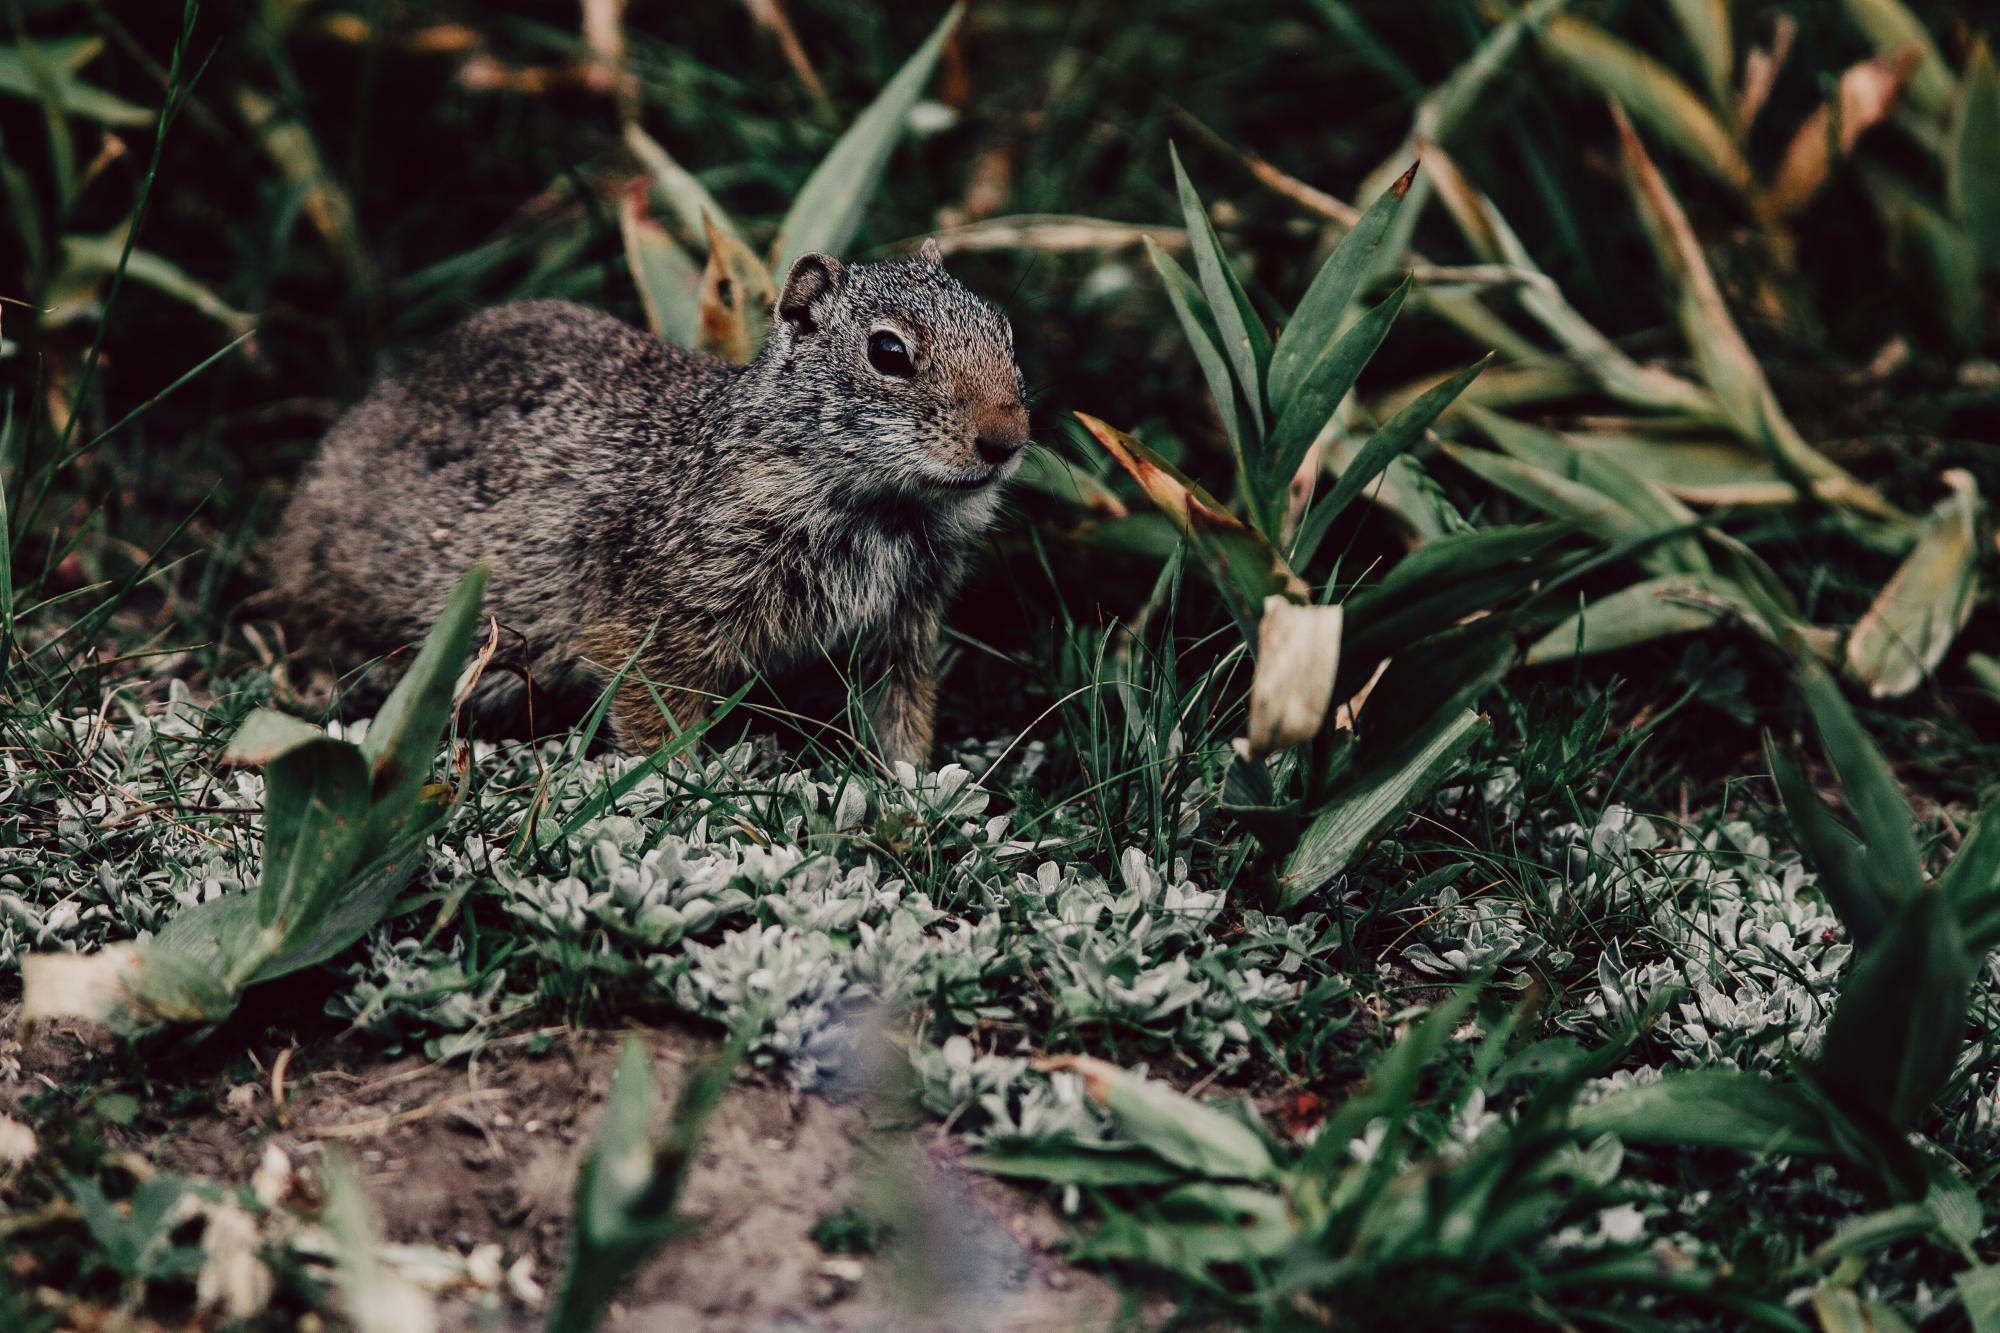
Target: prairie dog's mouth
[{"x": 971, "y": 481}]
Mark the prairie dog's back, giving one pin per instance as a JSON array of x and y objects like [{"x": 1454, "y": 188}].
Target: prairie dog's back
[
  {"x": 659, "y": 518},
  {"x": 496, "y": 443}
]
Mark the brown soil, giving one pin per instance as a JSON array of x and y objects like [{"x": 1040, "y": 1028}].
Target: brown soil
[{"x": 487, "y": 1151}]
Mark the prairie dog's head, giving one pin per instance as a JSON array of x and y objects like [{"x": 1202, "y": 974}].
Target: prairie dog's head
[{"x": 917, "y": 391}]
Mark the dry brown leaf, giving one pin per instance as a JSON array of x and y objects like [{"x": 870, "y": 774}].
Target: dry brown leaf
[
  {"x": 1728, "y": 365},
  {"x": 1298, "y": 653},
  {"x": 1052, "y": 233},
  {"x": 771, "y": 17},
  {"x": 1867, "y": 93},
  {"x": 1760, "y": 71},
  {"x": 736, "y": 297},
  {"x": 95, "y": 987}
]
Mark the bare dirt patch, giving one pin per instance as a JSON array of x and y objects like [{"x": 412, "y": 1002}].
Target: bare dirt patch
[{"x": 486, "y": 1151}]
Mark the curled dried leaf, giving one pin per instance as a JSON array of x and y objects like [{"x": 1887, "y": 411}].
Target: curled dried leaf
[
  {"x": 1867, "y": 93},
  {"x": 1298, "y": 654},
  {"x": 736, "y": 297},
  {"x": 96, "y": 987},
  {"x": 1919, "y": 612}
]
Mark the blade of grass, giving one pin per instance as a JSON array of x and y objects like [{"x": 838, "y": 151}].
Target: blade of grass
[{"x": 826, "y": 212}]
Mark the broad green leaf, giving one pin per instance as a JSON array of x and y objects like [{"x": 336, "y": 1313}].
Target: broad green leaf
[
  {"x": 1310, "y": 333},
  {"x": 61, "y": 59},
  {"x": 1972, "y": 157},
  {"x": 669, "y": 283},
  {"x": 1197, "y": 1227},
  {"x": 1705, "y": 23},
  {"x": 1384, "y": 446},
  {"x": 362, "y": 902},
  {"x": 1727, "y": 363},
  {"x": 1863, "y": 904},
  {"x": 401, "y": 744},
  {"x": 1901, "y": 1020},
  {"x": 212, "y": 937},
  {"x": 1245, "y": 341},
  {"x": 1893, "y": 29},
  {"x": 266, "y": 734},
  {"x": 315, "y": 803},
  {"x": 829, "y": 205},
  {"x": 1887, "y": 824},
  {"x": 375, "y": 1296},
  {"x": 1710, "y": 1108},
  {"x": 1698, "y": 471},
  {"x": 1319, "y": 391},
  {"x": 90, "y": 260},
  {"x": 695, "y": 209},
  {"x": 1985, "y": 670},
  {"x": 1655, "y": 608},
  {"x": 1175, "y": 1128},
  {"x": 1872, "y": 1231},
  {"x": 1953, "y": 1204},
  {"x": 1437, "y": 677},
  {"x": 1652, "y": 93},
  {"x": 1910, "y": 626},
  {"x": 629, "y": 1187},
  {"x": 1647, "y": 503},
  {"x": 1436, "y": 586},
  {"x": 1076, "y": 1164},
  {"x": 1198, "y": 327},
  {"x": 1979, "y": 1294},
  {"x": 1368, "y": 799},
  {"x": 1572, "y": 501},
  {"x": 1971, "y": 883},
  {"x": 1839, "y": 1310},
  {"x": 1390, "y": 1089},
  {"x": 1943, "y": 253}
]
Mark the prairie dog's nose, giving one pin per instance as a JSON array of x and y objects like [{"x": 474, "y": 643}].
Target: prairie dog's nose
[{"x": 1002, "y": 432}]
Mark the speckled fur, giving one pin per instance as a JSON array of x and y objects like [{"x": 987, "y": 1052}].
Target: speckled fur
[{"x": 641, "y": 503}]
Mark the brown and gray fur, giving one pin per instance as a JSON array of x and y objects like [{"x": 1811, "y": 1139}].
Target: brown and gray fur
[{"x": 640, "y": 503}]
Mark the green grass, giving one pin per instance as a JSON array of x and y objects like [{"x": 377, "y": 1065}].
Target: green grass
[{"x": 1603, "y": 895}]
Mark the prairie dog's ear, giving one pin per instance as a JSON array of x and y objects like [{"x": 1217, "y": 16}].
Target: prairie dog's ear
[
  {"x": 931, "y": 252},
  {"x": 811, "y": 289}
]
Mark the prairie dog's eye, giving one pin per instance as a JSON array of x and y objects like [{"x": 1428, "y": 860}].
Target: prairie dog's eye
[{"x": 887, "y": 354}]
